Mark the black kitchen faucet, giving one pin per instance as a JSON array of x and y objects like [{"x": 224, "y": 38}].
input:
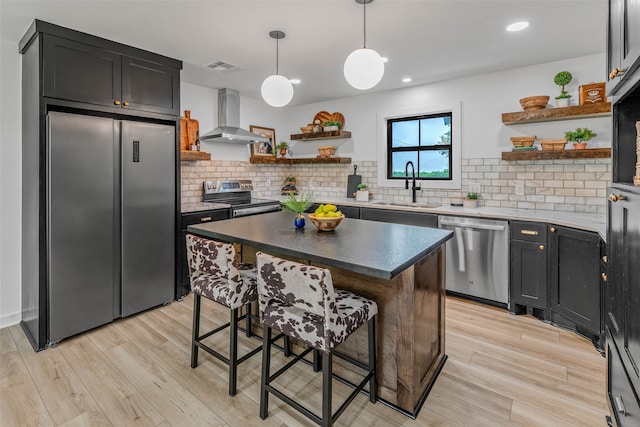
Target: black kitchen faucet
[{"x": 413, "y": 177}]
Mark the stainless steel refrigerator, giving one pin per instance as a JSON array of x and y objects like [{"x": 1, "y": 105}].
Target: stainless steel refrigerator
[{"x": 111, "y": 219}]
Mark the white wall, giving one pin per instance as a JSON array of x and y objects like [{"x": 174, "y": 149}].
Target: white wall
[
  {"x": 10, "y": 183},
  {"x": 484, "y": 98}
]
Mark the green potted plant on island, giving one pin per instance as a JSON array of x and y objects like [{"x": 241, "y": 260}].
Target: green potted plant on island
[
  {"x": 283, "y": 146},
  {"x": 298, "y": 205},
  {"x": 579, "y": 137},
  {"x": 471, "y": 201},
  {"x": 562, "y": 79}
]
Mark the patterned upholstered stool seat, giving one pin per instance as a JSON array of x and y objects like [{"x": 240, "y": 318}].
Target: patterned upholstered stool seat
[{"x": 300, "y": 301}]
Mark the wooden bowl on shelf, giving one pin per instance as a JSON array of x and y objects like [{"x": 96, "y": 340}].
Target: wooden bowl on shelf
[
  {"x": 534, "y": 102},
  {"x": 553, "y": 144},
  {"x": 307, "y": 129},
  {"x": 522, "y": 141},
  {"x": 326, "y": 151}
]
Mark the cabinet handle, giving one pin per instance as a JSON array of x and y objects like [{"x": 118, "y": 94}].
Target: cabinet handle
[
  {"x": 604, "y": 259},
  {"x": 205, "y": 219},
  {"x": 620, "y": 405},
  {"x": 604, "y": 277},
  {"x": 541, "y": 247},
  {"x": 552, "y": 229},
  {"x": 529, "y": 232},
  {"x": 615, "y": 198},
  {"x": 125, "y": 103},
  {"x": 117, "y": 102},
  {"x": 616, "y": 73}
]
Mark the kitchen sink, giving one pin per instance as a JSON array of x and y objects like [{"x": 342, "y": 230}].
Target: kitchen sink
[{"x": 404, "y": 204}]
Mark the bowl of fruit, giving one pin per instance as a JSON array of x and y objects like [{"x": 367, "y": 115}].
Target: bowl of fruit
[{"x": 326, "y": 217}]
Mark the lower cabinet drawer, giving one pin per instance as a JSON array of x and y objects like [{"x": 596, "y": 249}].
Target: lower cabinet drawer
[{"x": 624, "y": 404}]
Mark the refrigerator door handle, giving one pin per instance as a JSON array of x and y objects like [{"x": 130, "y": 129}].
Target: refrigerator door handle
[{"x": 136, "y": 151}]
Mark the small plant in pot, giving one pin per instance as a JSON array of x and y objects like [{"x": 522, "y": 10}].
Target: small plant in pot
[
  {"x": 283, "y": 146},
  {"x": 471, "y": 201},
  {"x": 562, "y": 79},
  {"x": 580, "y": 136},
  {"x": 298, "y": 205},
  {"x": 331, "y": 126},
  {"x": 362, "y": 195}
]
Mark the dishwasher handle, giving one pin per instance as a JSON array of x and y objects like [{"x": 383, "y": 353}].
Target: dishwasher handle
[{"x": 473, "y": 226}]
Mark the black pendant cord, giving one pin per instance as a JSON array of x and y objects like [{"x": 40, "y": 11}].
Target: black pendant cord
[
  {"x": 364, "y": 5},
  {"x": 277, "y": 55}
]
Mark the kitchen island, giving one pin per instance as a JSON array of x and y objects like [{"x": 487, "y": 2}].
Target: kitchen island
[{"x": 400, "y": 267}]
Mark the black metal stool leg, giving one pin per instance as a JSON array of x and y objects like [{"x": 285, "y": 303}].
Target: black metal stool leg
[
  {"x": 373, "y": 396},
  {"x": 287, "y": 346},
  {"x": 248, "y": 321},
  {"x": 326, "y": 389},
  {"x": 195, "y": 329},
  {"x": 266, "y": 360},
  {"x": 233, "y": 352},
  {"x": 316, "y": 360}
]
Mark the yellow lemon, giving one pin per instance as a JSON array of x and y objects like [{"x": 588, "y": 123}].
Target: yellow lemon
[{"x": 329, "y": 208}]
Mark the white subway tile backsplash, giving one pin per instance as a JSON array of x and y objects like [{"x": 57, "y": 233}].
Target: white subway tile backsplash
[{"x": 565, "y": 185}]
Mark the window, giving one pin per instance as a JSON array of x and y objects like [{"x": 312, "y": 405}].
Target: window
[{"x": 424, "y": 140}]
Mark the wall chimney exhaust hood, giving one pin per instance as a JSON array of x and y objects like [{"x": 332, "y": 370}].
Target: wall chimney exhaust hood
[{"x": 228, "y": 129}]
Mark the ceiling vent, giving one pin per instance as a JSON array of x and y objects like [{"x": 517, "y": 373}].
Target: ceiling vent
[{"x": 223, "y": 67}]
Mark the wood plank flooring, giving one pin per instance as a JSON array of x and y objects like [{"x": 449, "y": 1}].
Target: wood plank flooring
[{"x": 503, "y": 370}]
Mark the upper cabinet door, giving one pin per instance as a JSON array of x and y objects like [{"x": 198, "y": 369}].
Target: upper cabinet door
[
  {"x": 623, "y": 50},
  {"x": 79, "y": 72},
  {"x": 150, "y": 87}
]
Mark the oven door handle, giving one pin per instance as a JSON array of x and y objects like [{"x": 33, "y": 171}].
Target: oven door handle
[{"x": 254, "y": 210}]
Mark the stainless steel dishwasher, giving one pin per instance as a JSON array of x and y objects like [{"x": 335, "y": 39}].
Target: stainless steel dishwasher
[{"x": 478, "y": 258}]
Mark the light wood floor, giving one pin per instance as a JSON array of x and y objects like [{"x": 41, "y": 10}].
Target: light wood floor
[{"x": 502, "y": 370}]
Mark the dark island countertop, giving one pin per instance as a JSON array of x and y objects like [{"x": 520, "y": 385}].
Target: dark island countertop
[{"x": 372, "y": 248}]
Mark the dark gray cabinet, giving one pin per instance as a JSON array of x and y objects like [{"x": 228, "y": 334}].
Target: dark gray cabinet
[
  {"x": 187, "y": 219},
  {"x": 623, "y": 45},
  {"x": 529, "y": 267},
  {"x": 98, "y": 75},
  {"x": 400, "y": 217},
  {"x": 574, "y": 280}
]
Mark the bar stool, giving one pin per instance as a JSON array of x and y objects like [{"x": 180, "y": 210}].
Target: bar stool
[
  {"x": 215, "y": 274},
  {"x": 299, "y": 300}
]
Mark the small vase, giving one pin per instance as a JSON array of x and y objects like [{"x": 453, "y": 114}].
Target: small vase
[
  {"x": 579, "y": 145},
  {"x": 283, "y": 152},
  {"x": 299, "y": 221},
  {"x": 470, "y": 203},
  {"x": 562, "y": 102}
]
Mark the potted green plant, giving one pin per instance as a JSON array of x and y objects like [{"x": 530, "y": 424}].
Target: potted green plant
[
  {"x": 579, "y": 137},
  {"x": 562, "y": 79},
  {"x": 362, "y": 195},
  {"x": 298, "y": 205},
  {"x": 471, "y": 201},
  {"x": 282, "y": 146},
  {"x": 332, "y": 126}
]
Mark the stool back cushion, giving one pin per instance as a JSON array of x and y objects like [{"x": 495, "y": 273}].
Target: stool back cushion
[
  {"x": 296, "y": 299},
  {"x": 213, "y": 271}
]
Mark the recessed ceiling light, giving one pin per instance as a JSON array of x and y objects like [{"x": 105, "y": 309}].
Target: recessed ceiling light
[
  {"x": 517, "y": 26},
  {"x": 385, "y": 59},
  {"x": 406, "y": 80},
  {"x": 295, "y": 81}
]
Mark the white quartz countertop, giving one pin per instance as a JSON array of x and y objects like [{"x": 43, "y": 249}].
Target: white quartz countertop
[{"x": 583, "y": 221}]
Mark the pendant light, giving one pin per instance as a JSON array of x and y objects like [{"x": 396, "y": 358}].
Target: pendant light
[
  {"x": 277, "y": 90},
  {"x": 364, "y": 67}
]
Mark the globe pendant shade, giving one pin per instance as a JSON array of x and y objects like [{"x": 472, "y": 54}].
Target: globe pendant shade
[
  {"x": 363, "y": 69},
  {"x": 277, "y": 90}
]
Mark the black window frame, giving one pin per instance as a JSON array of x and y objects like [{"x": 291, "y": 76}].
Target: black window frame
[{"x": 440, "y": 147}]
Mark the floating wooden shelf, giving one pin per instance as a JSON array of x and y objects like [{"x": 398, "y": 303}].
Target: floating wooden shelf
[
  {"x": 270, "y": 160},
  {"x": 336, "y": 134},
  {"x": 589, "y": 153},
  {"x": 553, "y": 114},
  {"x": 194, "y": 155}
]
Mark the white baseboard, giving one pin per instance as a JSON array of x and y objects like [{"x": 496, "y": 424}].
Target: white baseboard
[{"x": 7, "y": 320}]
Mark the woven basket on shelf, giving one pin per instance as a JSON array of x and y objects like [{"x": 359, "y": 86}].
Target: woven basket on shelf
[
  {"x": 553, "y": 144},
  {"x": 522, "y": 141}
]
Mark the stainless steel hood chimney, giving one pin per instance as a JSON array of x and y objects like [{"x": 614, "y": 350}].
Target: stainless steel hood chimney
[{"x": 228, "y": 129}]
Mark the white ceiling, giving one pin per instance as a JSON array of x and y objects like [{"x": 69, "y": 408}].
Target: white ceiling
[{"x": 427, "y": 40}]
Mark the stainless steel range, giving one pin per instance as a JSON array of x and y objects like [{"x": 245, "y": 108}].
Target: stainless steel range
[{"x": 237, "y": 193}]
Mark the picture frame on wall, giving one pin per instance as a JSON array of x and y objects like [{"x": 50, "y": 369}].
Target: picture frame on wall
[{"x": 263, "y": 149}]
